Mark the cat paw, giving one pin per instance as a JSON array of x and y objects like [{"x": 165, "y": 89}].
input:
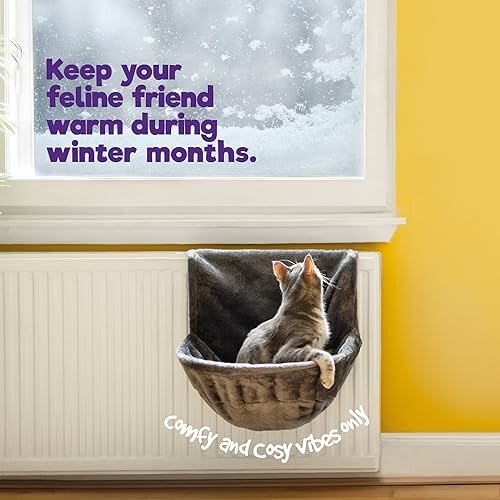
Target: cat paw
[{"x": 327, "y": 380}]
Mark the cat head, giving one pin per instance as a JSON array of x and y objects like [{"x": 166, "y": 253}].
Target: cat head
[{"x": 303, "y": 279}]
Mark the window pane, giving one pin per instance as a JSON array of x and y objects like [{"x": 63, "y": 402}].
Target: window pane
[{"x": 287, "y": 81}]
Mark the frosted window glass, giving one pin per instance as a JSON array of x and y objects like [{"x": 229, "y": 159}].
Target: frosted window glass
[{"x": 287, "y": 78}]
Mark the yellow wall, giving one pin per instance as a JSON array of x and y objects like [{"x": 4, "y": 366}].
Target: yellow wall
[
  {"x": 441, "y": 304},
  {"x": 441, "y": 339}
]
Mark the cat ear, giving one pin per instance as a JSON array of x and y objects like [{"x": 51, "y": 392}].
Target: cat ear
[
  {"x": 280, "y": 270},
  {"x": 308, "y": 265}
]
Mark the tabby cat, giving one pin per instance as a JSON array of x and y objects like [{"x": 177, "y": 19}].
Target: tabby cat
[{"x": 299, "y": 330}]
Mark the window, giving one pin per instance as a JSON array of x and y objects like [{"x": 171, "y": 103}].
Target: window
[{"x": 293, "y": 143}]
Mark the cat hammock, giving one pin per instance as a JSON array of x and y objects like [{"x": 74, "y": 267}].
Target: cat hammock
[{"x": 231, "y": 292}]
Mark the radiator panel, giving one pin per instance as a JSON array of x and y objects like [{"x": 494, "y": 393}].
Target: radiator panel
[{"x": 87, "y": 346}]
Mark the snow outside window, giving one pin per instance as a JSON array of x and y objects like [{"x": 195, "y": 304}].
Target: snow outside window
[{"x": 287, "y": 81}]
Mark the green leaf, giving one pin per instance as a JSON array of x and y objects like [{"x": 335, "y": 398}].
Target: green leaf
[{"x": 6, "y": 125}]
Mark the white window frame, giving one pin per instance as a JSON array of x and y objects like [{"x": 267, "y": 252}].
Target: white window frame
[{"x": 203, "y": 210}]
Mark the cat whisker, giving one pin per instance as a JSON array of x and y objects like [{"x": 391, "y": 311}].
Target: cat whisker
[{"x": 327, "y": 281}]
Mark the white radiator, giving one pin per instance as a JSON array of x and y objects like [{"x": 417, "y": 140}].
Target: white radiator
[{"x": 88, "y": 373}]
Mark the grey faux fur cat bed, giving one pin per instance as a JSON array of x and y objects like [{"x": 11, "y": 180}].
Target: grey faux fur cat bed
[{"x": 231, "y": 292}]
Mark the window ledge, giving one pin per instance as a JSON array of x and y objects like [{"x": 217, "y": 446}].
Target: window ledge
[{"x": 269, "y": 226}]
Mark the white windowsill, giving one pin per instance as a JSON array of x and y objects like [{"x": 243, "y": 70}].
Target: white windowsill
[{"x": 264, "y": 226}]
